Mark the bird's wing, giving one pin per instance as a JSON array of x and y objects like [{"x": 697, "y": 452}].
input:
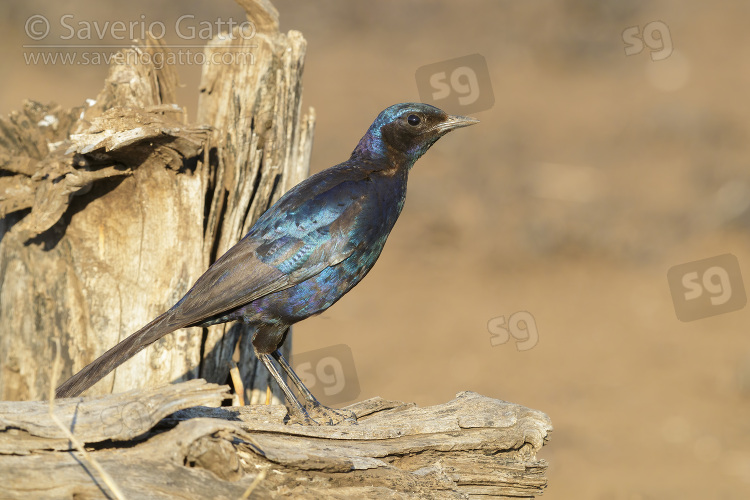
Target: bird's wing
[{"x": 290, "y": 243}]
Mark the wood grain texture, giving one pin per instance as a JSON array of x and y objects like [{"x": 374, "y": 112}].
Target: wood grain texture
[
  {"x": 111, "y": 210},
  {"x": 173, "y": 442}
]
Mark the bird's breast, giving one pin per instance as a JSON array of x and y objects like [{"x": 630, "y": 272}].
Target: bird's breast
[{"x": 366, "y": 236}]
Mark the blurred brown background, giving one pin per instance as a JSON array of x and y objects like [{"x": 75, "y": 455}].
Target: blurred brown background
[{"x": 592, "y": 174}]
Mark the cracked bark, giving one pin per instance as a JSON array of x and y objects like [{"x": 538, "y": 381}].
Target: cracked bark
[{"x": 173, "y": 442}]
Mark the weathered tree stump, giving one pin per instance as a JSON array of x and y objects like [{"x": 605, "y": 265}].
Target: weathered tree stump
[
  {"x": 156, "y": 443},
  {"x": 110, "y": 211}
]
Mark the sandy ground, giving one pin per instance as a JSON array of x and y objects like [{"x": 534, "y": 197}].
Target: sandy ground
[{"x": 591, "y": 175}]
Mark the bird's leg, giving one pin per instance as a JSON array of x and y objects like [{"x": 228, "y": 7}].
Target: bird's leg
[
  {"x": 313, "y": 406},
  {"x": 297, "y": 410}
]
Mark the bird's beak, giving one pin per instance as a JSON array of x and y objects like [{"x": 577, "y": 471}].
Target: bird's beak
[{"x": 454, "y": 122}]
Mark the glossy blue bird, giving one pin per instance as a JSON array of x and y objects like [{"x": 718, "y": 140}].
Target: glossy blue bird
[{"x": 303, "y": 254}]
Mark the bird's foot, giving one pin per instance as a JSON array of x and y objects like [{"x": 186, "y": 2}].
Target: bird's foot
[
  {"x": 317, "y": 414},
  {"x": 301, "y": 418},
  {"x": 330, "y": 416}
]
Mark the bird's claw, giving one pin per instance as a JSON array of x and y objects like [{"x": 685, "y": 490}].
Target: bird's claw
[
  {"x": 331, "y": 416},
  {"x": 317, "y": 414}
]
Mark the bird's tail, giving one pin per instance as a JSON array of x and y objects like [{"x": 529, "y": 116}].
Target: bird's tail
[{"x": 101, "y": 366}]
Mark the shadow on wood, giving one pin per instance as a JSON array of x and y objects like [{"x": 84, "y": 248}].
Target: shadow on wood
[{"x": 175, "y": 441}]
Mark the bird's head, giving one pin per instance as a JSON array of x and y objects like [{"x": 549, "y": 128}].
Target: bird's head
[{"x": 404, "y": 132}]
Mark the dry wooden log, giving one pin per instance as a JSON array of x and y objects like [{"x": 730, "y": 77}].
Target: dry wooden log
[
  {"x": 110, "y": 211},
  {"x": 158, "y": 444}
]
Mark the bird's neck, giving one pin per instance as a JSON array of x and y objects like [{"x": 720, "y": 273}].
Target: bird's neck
[{"x": 372, "y": 147}]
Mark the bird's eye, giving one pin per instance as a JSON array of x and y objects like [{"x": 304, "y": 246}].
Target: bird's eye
[{"x": 413, "y": 120}]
